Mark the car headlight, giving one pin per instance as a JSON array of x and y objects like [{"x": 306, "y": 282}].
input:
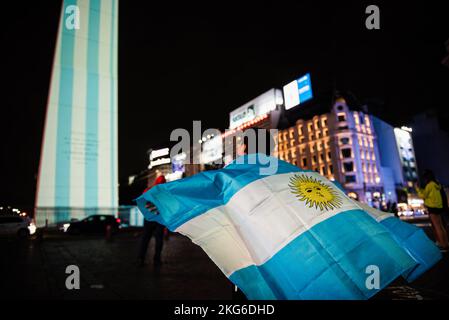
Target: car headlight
[
  {"x": 32, "y": 228},
  {"x": 65, "y": 226}
]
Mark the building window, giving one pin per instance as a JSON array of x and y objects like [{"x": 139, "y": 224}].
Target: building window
[
  {"x": 344, "y": 140},
  {"x": 325, "y": 132},
  {"x": 328, "y": 156},
  {"x": 346, "y": 153},
  {"x": 324, "y": 123},
  {"x": 331, "y": 169},
  {"x": 353, "y": 195},
  {"x": 321, "y": 157},
  {"x": 350, "y": 179},
  {"x": 356, "y": 118},
  {"x": 341, "y": 118},
  {"x": 304, "y": 162},
  {"x": 309, "y": 127},
  {"x": 300, "y": 130},
  {"x": 348, "y": 166},
  {"x": 323, "y": 170},
  {"x": 301, "y": 139},
  {"x": 367, "y": 120},
  {"x": 313, "y": 159},
  {"x": 363, "y": 129}
]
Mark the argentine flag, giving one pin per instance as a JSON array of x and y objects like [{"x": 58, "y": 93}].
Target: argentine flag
[{"x": 291, "y": 234}]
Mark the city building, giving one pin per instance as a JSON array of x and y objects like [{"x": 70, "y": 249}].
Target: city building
[
  {"x": 399, "y": 166},
  {"x": 340, "y": 144},
  {"x": 264, "y": 111}
]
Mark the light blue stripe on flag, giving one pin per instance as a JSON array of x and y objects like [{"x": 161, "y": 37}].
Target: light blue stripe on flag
[
  {"x": 64, "y": 121},
  {"x": 112, "y": 70},
  {"x": 417, "y": 244},
  {"x": 328, "y": 262},
  {"x": 91, "y": 173}
]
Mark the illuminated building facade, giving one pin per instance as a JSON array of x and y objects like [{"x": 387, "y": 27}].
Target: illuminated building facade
[{"x": 341, "y": 145}]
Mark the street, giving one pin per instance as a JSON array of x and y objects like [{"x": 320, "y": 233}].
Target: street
[{"x": 34, "y": 269}]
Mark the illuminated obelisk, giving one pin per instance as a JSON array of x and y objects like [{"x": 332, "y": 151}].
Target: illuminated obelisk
[{"x": 78, "y": 169}]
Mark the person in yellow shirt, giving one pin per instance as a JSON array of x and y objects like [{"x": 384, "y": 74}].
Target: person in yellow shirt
[{"x": 431, "y": 194}]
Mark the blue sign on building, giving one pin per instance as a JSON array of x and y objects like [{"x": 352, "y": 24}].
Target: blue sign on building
[{"x": 298, "y": 91}]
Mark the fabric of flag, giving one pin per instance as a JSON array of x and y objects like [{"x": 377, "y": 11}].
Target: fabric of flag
[
  {"x": 411, "y": 238},
  {"x": 291, "y": 234}
]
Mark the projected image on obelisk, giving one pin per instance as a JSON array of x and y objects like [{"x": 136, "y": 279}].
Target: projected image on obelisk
[{"x": 78, "y": 166}]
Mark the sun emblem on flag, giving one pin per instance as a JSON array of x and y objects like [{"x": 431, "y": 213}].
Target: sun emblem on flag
[{"x": 315, "y": 193}]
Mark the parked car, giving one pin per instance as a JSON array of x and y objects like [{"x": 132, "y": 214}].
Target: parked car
[
  {"x": 94, "y": 224},
  {"x": 14, "y": 225}
]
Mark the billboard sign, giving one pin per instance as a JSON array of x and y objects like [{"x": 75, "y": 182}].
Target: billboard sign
[
  {"x": 259, "y": 106},
  {"x": 298, "y": 91},
  {"x": 157, "y": 157}
]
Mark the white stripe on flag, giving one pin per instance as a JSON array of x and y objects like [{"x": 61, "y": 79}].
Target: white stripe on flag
[
  {"x": 374, "y": 213},
  {"x": 104, "y": 107},
  {"x": 258, "y": 221}
]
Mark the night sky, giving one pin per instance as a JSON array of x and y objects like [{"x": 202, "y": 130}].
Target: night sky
[{"x": 197, "y": 62}]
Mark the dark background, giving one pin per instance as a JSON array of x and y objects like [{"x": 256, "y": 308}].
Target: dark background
[{"x": 180, "y": 63}]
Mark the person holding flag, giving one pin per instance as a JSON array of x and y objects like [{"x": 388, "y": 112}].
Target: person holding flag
[{"x": 151, "y": 228}]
